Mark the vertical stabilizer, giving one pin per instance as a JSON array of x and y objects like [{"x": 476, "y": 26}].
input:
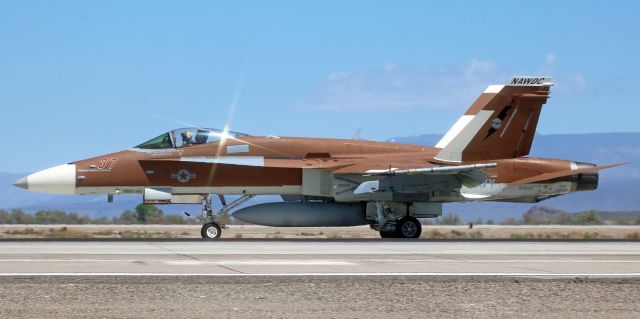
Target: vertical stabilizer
[{"x": 501, "y": 123}]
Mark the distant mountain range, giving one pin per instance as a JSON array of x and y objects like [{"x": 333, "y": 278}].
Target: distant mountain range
[
  {"x": 618, "y": 189},
  {"x": 539, "y": 214}
]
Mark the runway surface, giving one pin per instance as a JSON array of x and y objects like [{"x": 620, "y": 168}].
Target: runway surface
[
  {"x": 320, "y": 258},
  {"x": 319, "y": 279}
]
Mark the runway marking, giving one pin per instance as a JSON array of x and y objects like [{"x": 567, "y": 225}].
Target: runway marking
[
  {"x": 539, "y": 261},
  {"x": 326, "y": 274},
  {"x": 69, "y": 260},
  {"x": 325, "y": 262},
  {"x": 261, "y": 263}
]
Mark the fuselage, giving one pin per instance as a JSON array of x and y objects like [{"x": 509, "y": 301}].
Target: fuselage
[{"x": 276, "y": 166}]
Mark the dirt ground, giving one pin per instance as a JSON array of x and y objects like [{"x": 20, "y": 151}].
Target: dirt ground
[
  {"x": 317, "y": 297},
  {"x": 258, "y": 232}
]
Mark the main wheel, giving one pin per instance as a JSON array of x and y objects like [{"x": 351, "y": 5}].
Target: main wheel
[
  {"x": 388, "y": 234},
  {"x": 211, "y": 231},
  {"x": 408, "y": 227}
]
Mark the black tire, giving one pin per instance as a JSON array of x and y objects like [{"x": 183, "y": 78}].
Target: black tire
[
  {"x": 408, "y": 227},
  {"x": 388, "y": 234},
  {"x": 211, "y": 231}
]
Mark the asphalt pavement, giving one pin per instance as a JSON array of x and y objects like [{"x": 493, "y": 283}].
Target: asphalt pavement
[
  {"x": 335, "y": 258},
  {"x": 319, "y": 279}
]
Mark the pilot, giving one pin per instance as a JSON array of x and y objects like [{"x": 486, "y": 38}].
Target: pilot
[{"x": 186, "y": 138}]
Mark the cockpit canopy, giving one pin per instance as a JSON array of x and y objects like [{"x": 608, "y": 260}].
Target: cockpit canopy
[{"x": 184, "y": 137}]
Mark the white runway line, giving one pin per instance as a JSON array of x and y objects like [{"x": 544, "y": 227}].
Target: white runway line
[
  {"x": 507, "y": 261},
  {"x": 261, "y": 263},
  {"x": 324, "y": 262},
  {"x": 327, "y": 274},
  {"x": 68, "y": 260}
]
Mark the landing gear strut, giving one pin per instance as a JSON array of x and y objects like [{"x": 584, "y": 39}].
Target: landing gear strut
[
  {"x": 211, "y": 228},
  {"x": 391, "y": 227}
]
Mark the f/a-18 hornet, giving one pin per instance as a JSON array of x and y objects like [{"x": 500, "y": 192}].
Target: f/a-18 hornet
[{"x": 339, "y": 182}]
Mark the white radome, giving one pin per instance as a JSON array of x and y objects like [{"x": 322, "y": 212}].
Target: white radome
[{"x": 59, "y": 179}]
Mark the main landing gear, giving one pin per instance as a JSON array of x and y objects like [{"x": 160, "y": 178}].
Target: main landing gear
[
  {"x": 211, "y": 227},
  {"x": 390, "y": 227},
  {"x": 409, "y": 227},
  {"x": 405, "y": 227}
]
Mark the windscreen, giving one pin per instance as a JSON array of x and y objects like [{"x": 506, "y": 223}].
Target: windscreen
[
  {"x": 162, "y": 141},
  {"x": 185, "y": 137}
]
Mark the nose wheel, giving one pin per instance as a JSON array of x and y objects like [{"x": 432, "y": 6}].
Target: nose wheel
[{"x": 211, "y": 231}]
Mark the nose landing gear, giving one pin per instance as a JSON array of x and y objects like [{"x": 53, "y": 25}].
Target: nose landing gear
[
  {"x": 211, "y": 231},
  {"x": 211, "y": 227}
]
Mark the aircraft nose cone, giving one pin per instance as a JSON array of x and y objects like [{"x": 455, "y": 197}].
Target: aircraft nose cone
[
  {"x": 22, "y": 183},
  {"x": 59, "y": 179}
]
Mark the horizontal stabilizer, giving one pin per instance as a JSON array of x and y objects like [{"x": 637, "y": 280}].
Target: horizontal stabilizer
[{"x": 547, "y": 176}]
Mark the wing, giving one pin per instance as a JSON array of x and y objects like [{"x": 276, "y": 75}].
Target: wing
[
  {"x": 418, "y": 178},
  {"x": 414, "y": 175},
  {"x": 434, "y": 169}
]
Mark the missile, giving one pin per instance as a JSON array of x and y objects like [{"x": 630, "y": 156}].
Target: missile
[{"x": 304, "y": 214}]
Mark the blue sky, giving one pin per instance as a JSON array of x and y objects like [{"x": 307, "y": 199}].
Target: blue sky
[{"x": 83, "y": 78}]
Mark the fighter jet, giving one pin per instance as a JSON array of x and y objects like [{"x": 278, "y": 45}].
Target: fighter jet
[{"x": 339, "y": 182}]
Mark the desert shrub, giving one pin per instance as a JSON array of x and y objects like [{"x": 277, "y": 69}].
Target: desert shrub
[{"x": 449, "y": 219}]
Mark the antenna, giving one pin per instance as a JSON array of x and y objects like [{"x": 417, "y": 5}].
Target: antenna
[{"x": 356, "y": 135}]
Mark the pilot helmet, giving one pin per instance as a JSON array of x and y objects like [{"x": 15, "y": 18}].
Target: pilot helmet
[{"x": 186, "y": 135}]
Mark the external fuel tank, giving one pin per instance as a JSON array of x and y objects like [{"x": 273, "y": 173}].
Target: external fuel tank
[{"x": 304, "y": 214}]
